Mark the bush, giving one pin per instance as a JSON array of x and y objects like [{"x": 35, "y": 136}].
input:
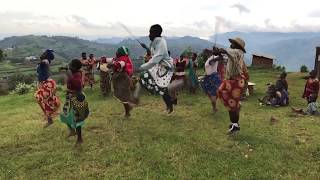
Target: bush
[
  {"x": 17, "y": 78},
  {"x": 23, "y": 88},
  {"x": 3, "y": 90},
  {"x": 304, "y": 69}
]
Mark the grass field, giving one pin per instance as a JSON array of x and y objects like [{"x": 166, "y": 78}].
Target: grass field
[{"x": 190, "y": 144}]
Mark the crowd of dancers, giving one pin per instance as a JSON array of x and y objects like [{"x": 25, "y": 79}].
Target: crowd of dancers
[{"x": 226, "y": 78}]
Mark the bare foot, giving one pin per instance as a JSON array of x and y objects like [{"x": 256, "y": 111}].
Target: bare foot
[
  {"x": 47, "y": 124},
  {"x": 78, "y": 143},
  {"x": 72, "y": 133},
  {"x": 214, "y": 111}
]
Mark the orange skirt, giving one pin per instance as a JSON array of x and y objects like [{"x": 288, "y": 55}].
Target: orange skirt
[
  {"x": 46, "y": 98},
  {"x": 230, "y": 92}
]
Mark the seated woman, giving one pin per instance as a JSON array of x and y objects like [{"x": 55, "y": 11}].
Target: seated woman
[
  {"x": 312, "y": 108},
  {"x": 277, "y": 95},
  {"x": 282, "y": 95}
]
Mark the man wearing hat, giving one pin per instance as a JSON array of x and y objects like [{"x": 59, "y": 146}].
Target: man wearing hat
[{"x": 231, "y": 89}]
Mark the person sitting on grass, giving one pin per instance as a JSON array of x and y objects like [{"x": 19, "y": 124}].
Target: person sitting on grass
[
  {"x": 282, "y": 95},
  {"x": 312, "y": 108}
]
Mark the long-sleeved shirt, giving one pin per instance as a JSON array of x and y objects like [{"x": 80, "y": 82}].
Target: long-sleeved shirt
[
  {"x": 159, "y": 52},
  {"x": 211, "y": 67},
  {"x": 235, "y": 65}
]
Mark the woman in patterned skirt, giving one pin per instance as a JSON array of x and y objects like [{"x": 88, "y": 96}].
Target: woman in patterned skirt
[
  {"x": 45, "y": 94},
  {"x": 231, "y": 89}
]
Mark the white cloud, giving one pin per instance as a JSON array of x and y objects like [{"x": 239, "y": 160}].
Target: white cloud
[
  {"x": 241, "y": 8},
  {"x": 96, "y": 18}
]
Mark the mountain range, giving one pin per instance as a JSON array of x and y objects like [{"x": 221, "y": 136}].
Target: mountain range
[{"x": 290, "y": 49}]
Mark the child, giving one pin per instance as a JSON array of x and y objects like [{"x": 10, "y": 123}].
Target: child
[
  {"x": 45, "y": 94},
  {"x": 75, "y": 109}
]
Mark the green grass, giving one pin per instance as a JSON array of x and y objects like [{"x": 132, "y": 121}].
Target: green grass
[{"x": 191, "y": 144}]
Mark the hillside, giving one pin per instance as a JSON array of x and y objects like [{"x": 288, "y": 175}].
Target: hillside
[
  {"x": 190, "y": 144},
  {"x": 67, "y": 48},
  {"x": 290, "y": 49}
]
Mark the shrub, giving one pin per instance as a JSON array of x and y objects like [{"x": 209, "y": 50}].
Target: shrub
[
  {"x": 23, "y": 88},
  {"x": 17, "y": 78},
  {"x": 304, "y": 69}
]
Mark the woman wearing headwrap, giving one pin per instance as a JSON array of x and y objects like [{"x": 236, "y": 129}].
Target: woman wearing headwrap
[
  {"x": 45, "y": 94},
  {"x": 121, "y": 79},
  {"x": 158, "y": 71},
  {"x": 231, "y": 89},
  {"x": 75, "y": 109}
]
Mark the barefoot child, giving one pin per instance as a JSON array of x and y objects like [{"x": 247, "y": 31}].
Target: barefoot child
[
  {"x": 45, "y": 94},
  {"x": 75, "y": 109}
]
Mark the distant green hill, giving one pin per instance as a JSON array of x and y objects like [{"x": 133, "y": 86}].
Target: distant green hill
[{"x": 67, "y": 48}]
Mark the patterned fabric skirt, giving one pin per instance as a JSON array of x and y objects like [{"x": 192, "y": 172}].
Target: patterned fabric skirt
[
  {"x": 47, "y": 99},
  {"x": 105, "y": 84},
  {"x": 122, "y": 87},
  {"x": 149, "y": 83},
  {"x": 89, "y": 77},
  {"x": 211, "y": 83},
  {"x": 230, "y": 92},
  {"x": 75, "y": 110}
]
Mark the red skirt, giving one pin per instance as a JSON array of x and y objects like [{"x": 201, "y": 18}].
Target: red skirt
[
  {"x": 230, "y": 92},
  {"x": 47, "y": 99}
]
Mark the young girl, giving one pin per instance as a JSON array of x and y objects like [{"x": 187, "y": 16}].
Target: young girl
[
  {"x": 45, "y": 94},
  {"x": 75, "y": 109},
  {"x": 121, "y": 79}
]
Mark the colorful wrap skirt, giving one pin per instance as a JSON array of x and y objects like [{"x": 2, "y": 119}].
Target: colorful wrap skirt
[
  {"x": 88, "y": 77},
  {"x": 149, "y": 83},
  {"x": 47, "y": 99},
  {"x": 211, "y": 83},
  {"x": 123, "y": 87},
  {"x": 75, "y": 110},
  {"x": 105, "y": 84},
  {"x": 230, "y": 92}
]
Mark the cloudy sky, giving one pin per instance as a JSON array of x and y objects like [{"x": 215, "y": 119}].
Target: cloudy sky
[{"x": 101, "y": 18}]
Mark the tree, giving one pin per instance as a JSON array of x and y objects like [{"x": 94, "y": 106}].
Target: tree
[
  {"x": 304, "y": 69},
  {"x": 2, "y": 55}
]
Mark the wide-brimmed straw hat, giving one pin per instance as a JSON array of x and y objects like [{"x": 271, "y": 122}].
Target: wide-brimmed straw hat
[{"x": 239, "y": 42}]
